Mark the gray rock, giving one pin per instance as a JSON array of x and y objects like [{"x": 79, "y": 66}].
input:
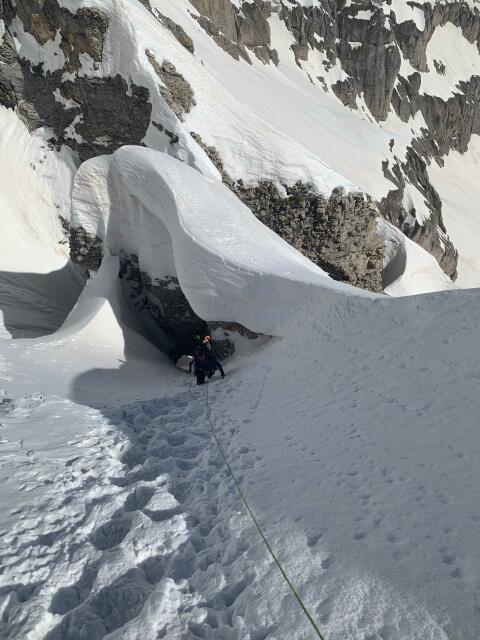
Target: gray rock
[
  {"x": 86, "y": 250},
  {"x": 176, "y": 91},
  {"x": 178, "y": 31},
  {"x": 346, "y": 91},
  {"x": 237, "y": 31},
  {"x": 109, "y": 113},
  {"x": 113, "y": 114},
  {"x": 166, "y": 315},
  {"x": 81, "y": 32},
  {"x": 431, "y": 234},
  {"x": 214, "y": 156},
  {"x": 146, "y": 4},
  {"x": 171, "y": 25},
  {"x": 338, "y": 234},
  {"x": 331, "y": 28},
  {"x": 11, "y": 78}
]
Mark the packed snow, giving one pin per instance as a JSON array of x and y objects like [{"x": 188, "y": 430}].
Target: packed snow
[
  {"x": 351, "y": 425},
  {"x": 353, "y": 433}
]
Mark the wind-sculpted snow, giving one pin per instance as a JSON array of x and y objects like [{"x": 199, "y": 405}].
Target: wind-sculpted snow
[
  {"x": 102, "y": 74},
  {"x": 183, "y": 225},
  {"x": 35, "y": 187},
  {"x": 355, "y": 438},
  {"x": 354, "y": 432}
]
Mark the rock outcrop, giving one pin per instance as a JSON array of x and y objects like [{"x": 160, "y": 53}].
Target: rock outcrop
[
  {"x": 82, "y": 32},
  {"x": 86, "y": 250},
  {"x": 92, "y": 115},
  {"x": 162, "y": 307},
  {"x": 180, "y": 34},
  {"x": 238, "y": 32},
  {"x": 176, "y": 91},
  {"x": 338, "y": 233},
  {"x": 365, "y": 48},
  {"x": 431, "y": 233}
]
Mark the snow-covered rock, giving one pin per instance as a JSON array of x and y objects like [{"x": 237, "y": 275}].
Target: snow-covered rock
[
  {"x": 354, "y": 437},
  {"x": 282, "y": 92},
  {"x": 152, "y": 140},
  {"x": 189, "y": 232}
]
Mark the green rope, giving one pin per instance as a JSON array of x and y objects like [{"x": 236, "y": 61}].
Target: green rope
[{"x": 259, "y": 528}]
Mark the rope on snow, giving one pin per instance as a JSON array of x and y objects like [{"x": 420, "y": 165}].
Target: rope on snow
[{"x": 295, "y": 593}]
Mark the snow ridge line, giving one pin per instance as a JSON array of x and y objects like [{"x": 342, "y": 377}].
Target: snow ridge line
[{"x": 257, "y": 524}]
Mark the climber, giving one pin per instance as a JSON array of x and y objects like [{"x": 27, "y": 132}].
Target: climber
[
  {"x": 213, "y": 356},
  {"x": 201, "y": 364}
]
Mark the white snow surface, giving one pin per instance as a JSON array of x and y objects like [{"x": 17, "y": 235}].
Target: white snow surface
[
  {"x": 146, "y": 203},
  {"x": 410, "y": 269},
  {"x": 342, "y": 437},
  {"x": 36, "y": 185},
  {"x": 459, "y": 190},
  {"x": 353, "y": 431},
  {"x": 461, "y": 59},
  {"x": 354, "y": 434},
  {"x": 267, "y": 122}
]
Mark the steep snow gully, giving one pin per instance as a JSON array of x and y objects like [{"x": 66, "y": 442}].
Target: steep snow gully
[{"x": 353, "y": 432}]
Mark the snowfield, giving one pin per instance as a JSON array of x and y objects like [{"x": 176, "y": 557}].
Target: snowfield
[
  {"x": 351, "y": 424},
  {"x": 353, "y": 433},
  {"x": 312, "y": 138}
]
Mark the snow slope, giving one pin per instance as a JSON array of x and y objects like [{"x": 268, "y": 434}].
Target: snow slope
[
  {"x": 409, "y": 269},
  {"x": 36, "y": 185},
  {"x": 276, "y": 110},
  {"x": 278, "y": 123},
  {"x": 354, "y": 436},
  {"x": 458, "y": 188},
  {"x": 267, "y": 122}
]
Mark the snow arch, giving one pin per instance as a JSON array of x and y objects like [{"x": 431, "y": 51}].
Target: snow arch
[{"x": 189, "y": 230}]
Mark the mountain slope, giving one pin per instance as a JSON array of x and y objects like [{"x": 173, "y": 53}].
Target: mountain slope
[
  {"x": 353, "y": 435},
  {"x": 177, "y": 168},
  {"x": 352, "y": 100}
]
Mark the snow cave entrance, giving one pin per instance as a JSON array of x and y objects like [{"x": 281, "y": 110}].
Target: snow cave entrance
[{"x": 156, "y": 306}]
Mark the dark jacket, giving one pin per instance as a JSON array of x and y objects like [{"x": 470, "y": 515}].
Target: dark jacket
[{"x": 201, "y": 360}]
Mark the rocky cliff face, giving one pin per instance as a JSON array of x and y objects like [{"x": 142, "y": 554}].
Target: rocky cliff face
[
  {"x": 59, "y": 70},
  {"x": 77, "y": 108},
  {"x": 238, "y": 32},
  {"x": 53, "y": 71},
  {"x": 338, "y": 233},
  {"x": 431, "y": 234},
  {"x": 163, "y": 309},
  {"x": 369, "y": 42}
]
